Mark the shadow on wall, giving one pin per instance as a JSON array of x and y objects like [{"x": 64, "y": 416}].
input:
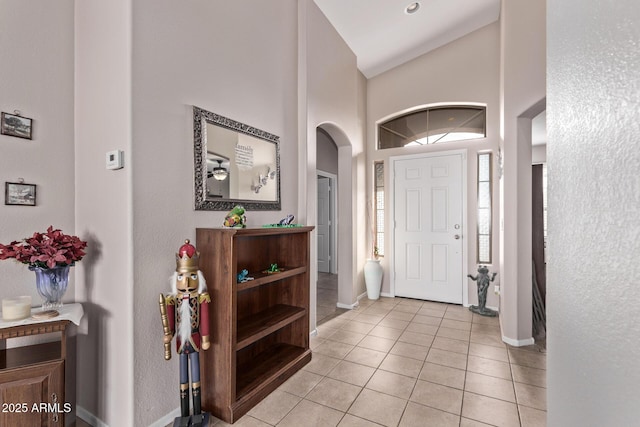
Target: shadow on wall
[{"x": 91, "y": 353}]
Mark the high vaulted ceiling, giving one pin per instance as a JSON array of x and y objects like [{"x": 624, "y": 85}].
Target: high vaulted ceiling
[{"x": 382, "y": 35}]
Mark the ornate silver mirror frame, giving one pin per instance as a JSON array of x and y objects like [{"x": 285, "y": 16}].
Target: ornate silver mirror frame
[{"x": 252, "y": 163}]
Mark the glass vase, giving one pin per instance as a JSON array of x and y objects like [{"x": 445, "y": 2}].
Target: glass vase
[{"x": 51, "y": 284}]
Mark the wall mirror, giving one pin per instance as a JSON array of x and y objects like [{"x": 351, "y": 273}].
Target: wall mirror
[{"x": 235, "y": 164}]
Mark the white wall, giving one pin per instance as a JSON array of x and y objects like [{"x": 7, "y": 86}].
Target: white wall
[
  {"x": 522, "y": 93},
  {"x": 594, "y": 200},
  {"x": 463, "y": 71},
  {"x": 237, "y": 59},
  {"x": 104, "y": 210},
  {"x": 36, "y": 65},
  {"x": 538, "y": 154}
]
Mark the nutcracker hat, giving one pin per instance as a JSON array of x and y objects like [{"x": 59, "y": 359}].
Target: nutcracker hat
[{"x": 187, "y": 258}]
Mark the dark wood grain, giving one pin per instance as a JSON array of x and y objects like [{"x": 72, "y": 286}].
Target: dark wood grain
[
  {"x": 265, "y": 322},
  {"x": 32, "y": 385},
  {"x": 33, "y": 329},
  {"x": 261, "y": 278},
  {"x": 24, "y": 356},
  {"x": 270, "y": 363},
  {"x": 33, "y": 374}
]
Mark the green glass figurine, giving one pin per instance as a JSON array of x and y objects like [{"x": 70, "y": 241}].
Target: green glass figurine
[{"x": 235, "y": 218}]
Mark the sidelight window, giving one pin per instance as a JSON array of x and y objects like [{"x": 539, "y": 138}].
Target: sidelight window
[
  {"x": 484, "y": 208},
  {"x": 379, "y": 207}
]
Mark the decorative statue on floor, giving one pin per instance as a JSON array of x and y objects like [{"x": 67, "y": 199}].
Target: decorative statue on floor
[
  {"x": 185, "y": 312},
  {"x": 483, "y": 286}
]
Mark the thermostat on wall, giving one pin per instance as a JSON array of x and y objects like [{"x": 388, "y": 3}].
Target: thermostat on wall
[{"x": 115, "y": 159}]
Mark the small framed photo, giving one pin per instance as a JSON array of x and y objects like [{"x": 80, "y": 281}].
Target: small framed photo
[
  {"x": 18, "y": 193},
  {"x": 14, "y": 125}
]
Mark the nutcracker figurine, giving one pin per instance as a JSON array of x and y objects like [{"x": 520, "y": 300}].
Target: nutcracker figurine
[{"x": 185, "y": 312}]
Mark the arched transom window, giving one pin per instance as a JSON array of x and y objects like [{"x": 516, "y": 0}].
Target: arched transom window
[{"x": 433, "y": 125}]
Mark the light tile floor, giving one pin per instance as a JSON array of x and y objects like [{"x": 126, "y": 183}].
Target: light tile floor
[
  {"x": 403, "y": 362},
  {"x": 327, "y": 298}
]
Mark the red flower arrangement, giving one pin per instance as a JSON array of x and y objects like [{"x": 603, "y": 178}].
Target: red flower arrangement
[{"x": 45, "y": 250}]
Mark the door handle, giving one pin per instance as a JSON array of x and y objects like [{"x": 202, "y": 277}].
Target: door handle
[{"x": 457, "y": 236}]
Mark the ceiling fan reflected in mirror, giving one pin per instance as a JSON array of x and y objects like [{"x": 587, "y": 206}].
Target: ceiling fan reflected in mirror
[{"x": 219, "y": 173}]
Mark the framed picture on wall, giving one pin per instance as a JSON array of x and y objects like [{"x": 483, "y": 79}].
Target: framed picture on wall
[
  {"x": 19, "y": 193},
  {"x": 14, "y": 125}
]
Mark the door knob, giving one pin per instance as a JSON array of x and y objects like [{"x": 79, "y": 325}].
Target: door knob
[{"x": 457, "y": 236}]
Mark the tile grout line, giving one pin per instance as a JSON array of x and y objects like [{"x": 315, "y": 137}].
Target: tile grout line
[
  {"x": 513, "y": 384},
  {"x": 428, "y": 349},
  {"x": 374, "y": 372}
]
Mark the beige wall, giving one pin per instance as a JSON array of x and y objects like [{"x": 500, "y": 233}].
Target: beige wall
[
  {"x": 327, "y": 153},
  {"x": 331, "y": 93},
  {"x": 464, "y": 71},
  {"x": 139, "y": 67},
  {"x": 36, "y": 69},
  {"x": 104, "y": 211},
  {"x": 522, "y": 94},
  {"x": 36, "y": 65},
  {"x": 594, "y": 200},
  {"x": 219, "y": 56}
]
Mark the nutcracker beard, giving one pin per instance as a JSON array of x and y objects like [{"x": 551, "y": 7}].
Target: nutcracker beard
[{"x": 184, "y": 330}]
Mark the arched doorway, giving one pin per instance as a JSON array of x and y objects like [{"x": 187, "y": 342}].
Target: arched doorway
[
  {"x": 344, "y": 250},
  {"x": 516, "y": 302},
  {"x": 326, "y": 230}
]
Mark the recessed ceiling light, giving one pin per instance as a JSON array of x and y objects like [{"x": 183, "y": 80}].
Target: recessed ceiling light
[{"x": 412, "y": 8}]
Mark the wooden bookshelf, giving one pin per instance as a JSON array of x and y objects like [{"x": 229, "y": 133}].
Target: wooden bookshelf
[{"x": 259, "y": 328}]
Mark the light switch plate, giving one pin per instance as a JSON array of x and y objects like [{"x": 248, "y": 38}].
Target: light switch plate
[{"x": 115, "y": 159}]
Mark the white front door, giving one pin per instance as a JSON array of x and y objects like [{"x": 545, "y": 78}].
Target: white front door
[
  {"x": 324, "y": 235},
  {"x": 428, "y": 237}
]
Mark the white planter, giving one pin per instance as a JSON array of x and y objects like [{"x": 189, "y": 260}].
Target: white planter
[{"x": 373, "y": 278}]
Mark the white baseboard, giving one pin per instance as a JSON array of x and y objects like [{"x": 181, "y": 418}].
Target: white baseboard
[
  {"x": 94, "y": 421},
  {"x": 387, "y": 295},
  {"x": 89, "y": 418},
  {"x": 518, "y": 343},
  {"x": 167, "y": 419},
  {"x": 348, "y": 306}
]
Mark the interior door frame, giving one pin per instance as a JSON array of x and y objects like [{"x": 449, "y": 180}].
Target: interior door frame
[
  {"x": 466, "y": 234},
  {"x": 333, "y": 227}
]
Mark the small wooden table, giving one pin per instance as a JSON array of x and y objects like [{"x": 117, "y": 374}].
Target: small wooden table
[{"x": 32, "y": 378}]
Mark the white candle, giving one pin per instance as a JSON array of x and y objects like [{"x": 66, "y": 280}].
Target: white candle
[{"x": 16, "y": 308}]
